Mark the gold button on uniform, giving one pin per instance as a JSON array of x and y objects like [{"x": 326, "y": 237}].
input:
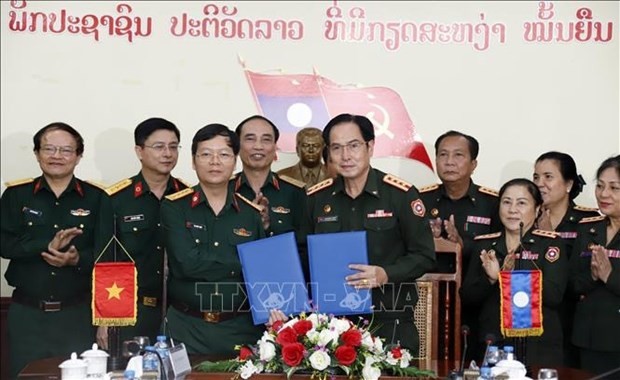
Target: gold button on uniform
[
  {"x": 30, "y": 223},
  {"x": 81, "y": 226},
  {"x": 216, "y": 244},
  {"x": 135, "y": 229},
  {"x": 158, "y": 248},
  {"x": 55, "y": 225},
  {"x": 197, "y": 241}
]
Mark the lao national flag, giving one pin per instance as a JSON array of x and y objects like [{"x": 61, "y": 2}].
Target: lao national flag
[
  {"x": 291, "y": 102},
  {"x": 395, "y": 134},
  {"x": 521, "y": 303},
  {"x": 115, "y": 291}
]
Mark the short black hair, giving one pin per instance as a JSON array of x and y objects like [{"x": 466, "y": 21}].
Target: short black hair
[
  {"x": 474, "y": 147},
  {"x": 148, "y": 126},
  {"x": 568, "y": 170},
  {"x": 208, "y": 132},
  {"x": 611, "y": 162},
  {"x": 59, "y": 126},
  {"x": 276, "y": 132},
  {"x": 528, "y": 184},
  {"x": 362, "y": 122}
]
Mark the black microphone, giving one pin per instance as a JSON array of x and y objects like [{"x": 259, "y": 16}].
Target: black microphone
[
  {"x": 489, "y": 339},
  {"x": 465, "y": 332},
  {"x": 396, "y": 323}
]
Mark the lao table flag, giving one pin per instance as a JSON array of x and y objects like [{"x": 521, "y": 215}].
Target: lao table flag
[
  {"x": 521, "y": 303},
  {"x": 114, "y": 294}
]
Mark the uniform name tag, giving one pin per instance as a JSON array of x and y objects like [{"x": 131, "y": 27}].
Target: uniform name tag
[
  {"x": 612, "y": 253},
  {"x": 195, "y": 226},
  {"x": 30, "y": 211},
  {"x": 327, "y": 219},
  {"x": 133, "y": 218},
  {"x": 527, "y": 255},
  {"x": 478, "y": 220},
  {"x": 567, "y": 235},
  {"x": 380, "y": 214}
]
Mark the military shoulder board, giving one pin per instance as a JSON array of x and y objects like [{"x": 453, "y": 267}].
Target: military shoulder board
[
  {"x": 583, "y": 208},
  {"x": 96, "y": 184},
  {"x": 592, "y": 219},
  {"x": 292, "y": 181},
  {"x": 544, "y": 233},
  {"x": 19, "y": 182},
  {"x": 488, "y": 191},
  {"x": 396, "y": 182},
  {"x": 488, "y": 236},
  {"x": 249, "y": 202},
  {"x": 428, "y": 188},
  {"x": 180, "y": 194},
  {"x": 118, "y": 186},
  {"x": 320, "y": 186}
]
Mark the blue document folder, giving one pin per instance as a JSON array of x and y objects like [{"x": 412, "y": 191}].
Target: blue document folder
[
  {"x": 329, "y": 256},
  {"x": 273, "y": 276}
]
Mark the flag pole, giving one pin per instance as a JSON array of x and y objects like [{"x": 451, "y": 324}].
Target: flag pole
[{"x": 115, "y": 360}]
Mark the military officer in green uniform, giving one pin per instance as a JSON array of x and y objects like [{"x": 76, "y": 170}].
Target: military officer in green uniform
[
  {"x": 519, "y": 246},
  {"x": 459, "y": 210},
  {"x": 202, "y": 227},
  {"x": 555, "y": 174},
  {"x": 136, "y": 202},
  {"x": 52, "y": 226},
  {"x": 400, "y": 243},
  {"x": 284, "y": 196},
  {"x": 595, "y": 277}
]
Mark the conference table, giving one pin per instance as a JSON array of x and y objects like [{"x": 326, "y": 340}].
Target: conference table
[{"x": 47, "y": 369}]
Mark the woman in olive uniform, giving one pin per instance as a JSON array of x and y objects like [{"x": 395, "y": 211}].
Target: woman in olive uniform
[
  {"x": 555, "y": 174},
  {"x": 202, "y": 227},
  {"x": 519, "y": 246},
  {"x": 595, "y": 276}
]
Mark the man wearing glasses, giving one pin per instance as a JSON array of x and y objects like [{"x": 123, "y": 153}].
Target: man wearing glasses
[
  {"x": 52, "y": 226},
  {"x": 136, "y": 202},
  {"x": 399, "y": 238},
  {"x": 284, "y": 196}
]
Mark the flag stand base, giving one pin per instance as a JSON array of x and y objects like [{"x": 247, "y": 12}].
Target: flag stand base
[{"x": 116, "y": 363}]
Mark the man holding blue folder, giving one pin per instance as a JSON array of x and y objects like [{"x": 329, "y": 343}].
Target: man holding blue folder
[{"x": 400, "y": 242}]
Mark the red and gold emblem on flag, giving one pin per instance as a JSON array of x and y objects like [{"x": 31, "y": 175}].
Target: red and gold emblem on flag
[
  {"x": 115, "y": 290},
  {"x": 521, "y": 303}
]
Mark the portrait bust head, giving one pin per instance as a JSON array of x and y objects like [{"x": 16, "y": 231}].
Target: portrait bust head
[{"x": 309, "y": 146}]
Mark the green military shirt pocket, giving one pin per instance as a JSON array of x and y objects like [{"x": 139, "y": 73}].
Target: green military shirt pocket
[
  {"x": 33, "y": 218},
  {"x": 328, "y": 224},
  {"x": 380, "y": 224},
  {"x": 199, "y": 233},
  {"x": 477, "y": 225}
]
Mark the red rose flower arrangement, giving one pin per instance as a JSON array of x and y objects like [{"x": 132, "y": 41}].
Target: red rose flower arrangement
[{"x": 322, "y": 345}]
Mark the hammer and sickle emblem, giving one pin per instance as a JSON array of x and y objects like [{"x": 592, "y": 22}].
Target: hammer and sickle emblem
[{"x": 381, "y": 128}]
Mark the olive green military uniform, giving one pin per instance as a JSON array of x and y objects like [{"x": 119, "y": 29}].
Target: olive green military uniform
[
  {"x": 541, "y": 250},
  {"x": 50, "y": 311},
  {"x": 474, "y": 214},
  {"x": 567, "y": 230},
  {"x": 208, "y": 309},
  {"x": 398, "y": 236},
  {"x": 596, "y": 330},
  {"x": 138, "y": 227},
  {"x": 286, "y": 200}
]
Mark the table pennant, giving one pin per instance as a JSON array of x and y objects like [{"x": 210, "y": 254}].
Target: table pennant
[
  {"x": 115, "y": 290},
  {"x": 521, "y": 303}
]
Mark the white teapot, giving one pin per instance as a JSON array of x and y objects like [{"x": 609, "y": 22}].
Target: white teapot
[
  {"x": 97, "y": 361},
  {"x": 73, "y": 369}
]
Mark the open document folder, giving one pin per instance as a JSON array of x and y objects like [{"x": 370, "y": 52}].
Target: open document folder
[
  {"x": 273, "y": 276},
  {"x": 329, "y": 256}
]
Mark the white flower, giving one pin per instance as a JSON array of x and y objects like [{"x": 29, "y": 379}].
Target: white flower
[
  {"x": 390, "y": 359},
  {"x": 267, "y": 337},
  {"x": 319, "y": 360},
  {"x": 369, "y": 372},
  {"x": 405, "y": 358},
  {"x": 314, "y": 318},
  {"x": 326, "y": 336},
  {"x": 313, "y": 336},
  {"x": 377, "y": 345},
  {"x": 267, "y": 350},
  {"x": 248, "y": 369},
  {"x": 340, "y": 324}
]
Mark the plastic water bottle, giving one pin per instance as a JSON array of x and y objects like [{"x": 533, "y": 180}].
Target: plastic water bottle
[
  {"x": 509, "y": 353},
  {"x": 129, "y": 375},
  {"x": 485, "y": 373},
  {"x": 162, "y": 348},
  {"x": 493, "y": 356},
  {"x": 150, "y": 364}
]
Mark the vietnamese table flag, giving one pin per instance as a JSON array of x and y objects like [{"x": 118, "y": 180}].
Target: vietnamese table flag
[
  {"x": 521, "y": 303},
  {"x": 115, "y": 291}
]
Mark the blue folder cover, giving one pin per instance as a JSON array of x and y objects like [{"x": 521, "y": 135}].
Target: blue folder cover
[
  {"x": 329, "y": 256},
  {"x": 273, "y": 276}
]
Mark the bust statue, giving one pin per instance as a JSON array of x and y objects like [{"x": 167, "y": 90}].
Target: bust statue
[{"x": 310, "y": 169}]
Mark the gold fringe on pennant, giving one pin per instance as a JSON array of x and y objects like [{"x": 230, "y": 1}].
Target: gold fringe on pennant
[
  {"x": 111, "y": 322},
  {"x": 511, "y": 333}
]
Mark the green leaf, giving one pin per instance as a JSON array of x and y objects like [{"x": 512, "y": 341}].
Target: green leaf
[{"x": 219, "y": 366}]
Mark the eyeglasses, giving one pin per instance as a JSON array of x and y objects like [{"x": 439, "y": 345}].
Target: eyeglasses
[
  {"x": 208, "y": 155},
  {"x": 50, "y": 150},
  {"x": 161, "y": 147},
  {"x": 354, "y": 146}
]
